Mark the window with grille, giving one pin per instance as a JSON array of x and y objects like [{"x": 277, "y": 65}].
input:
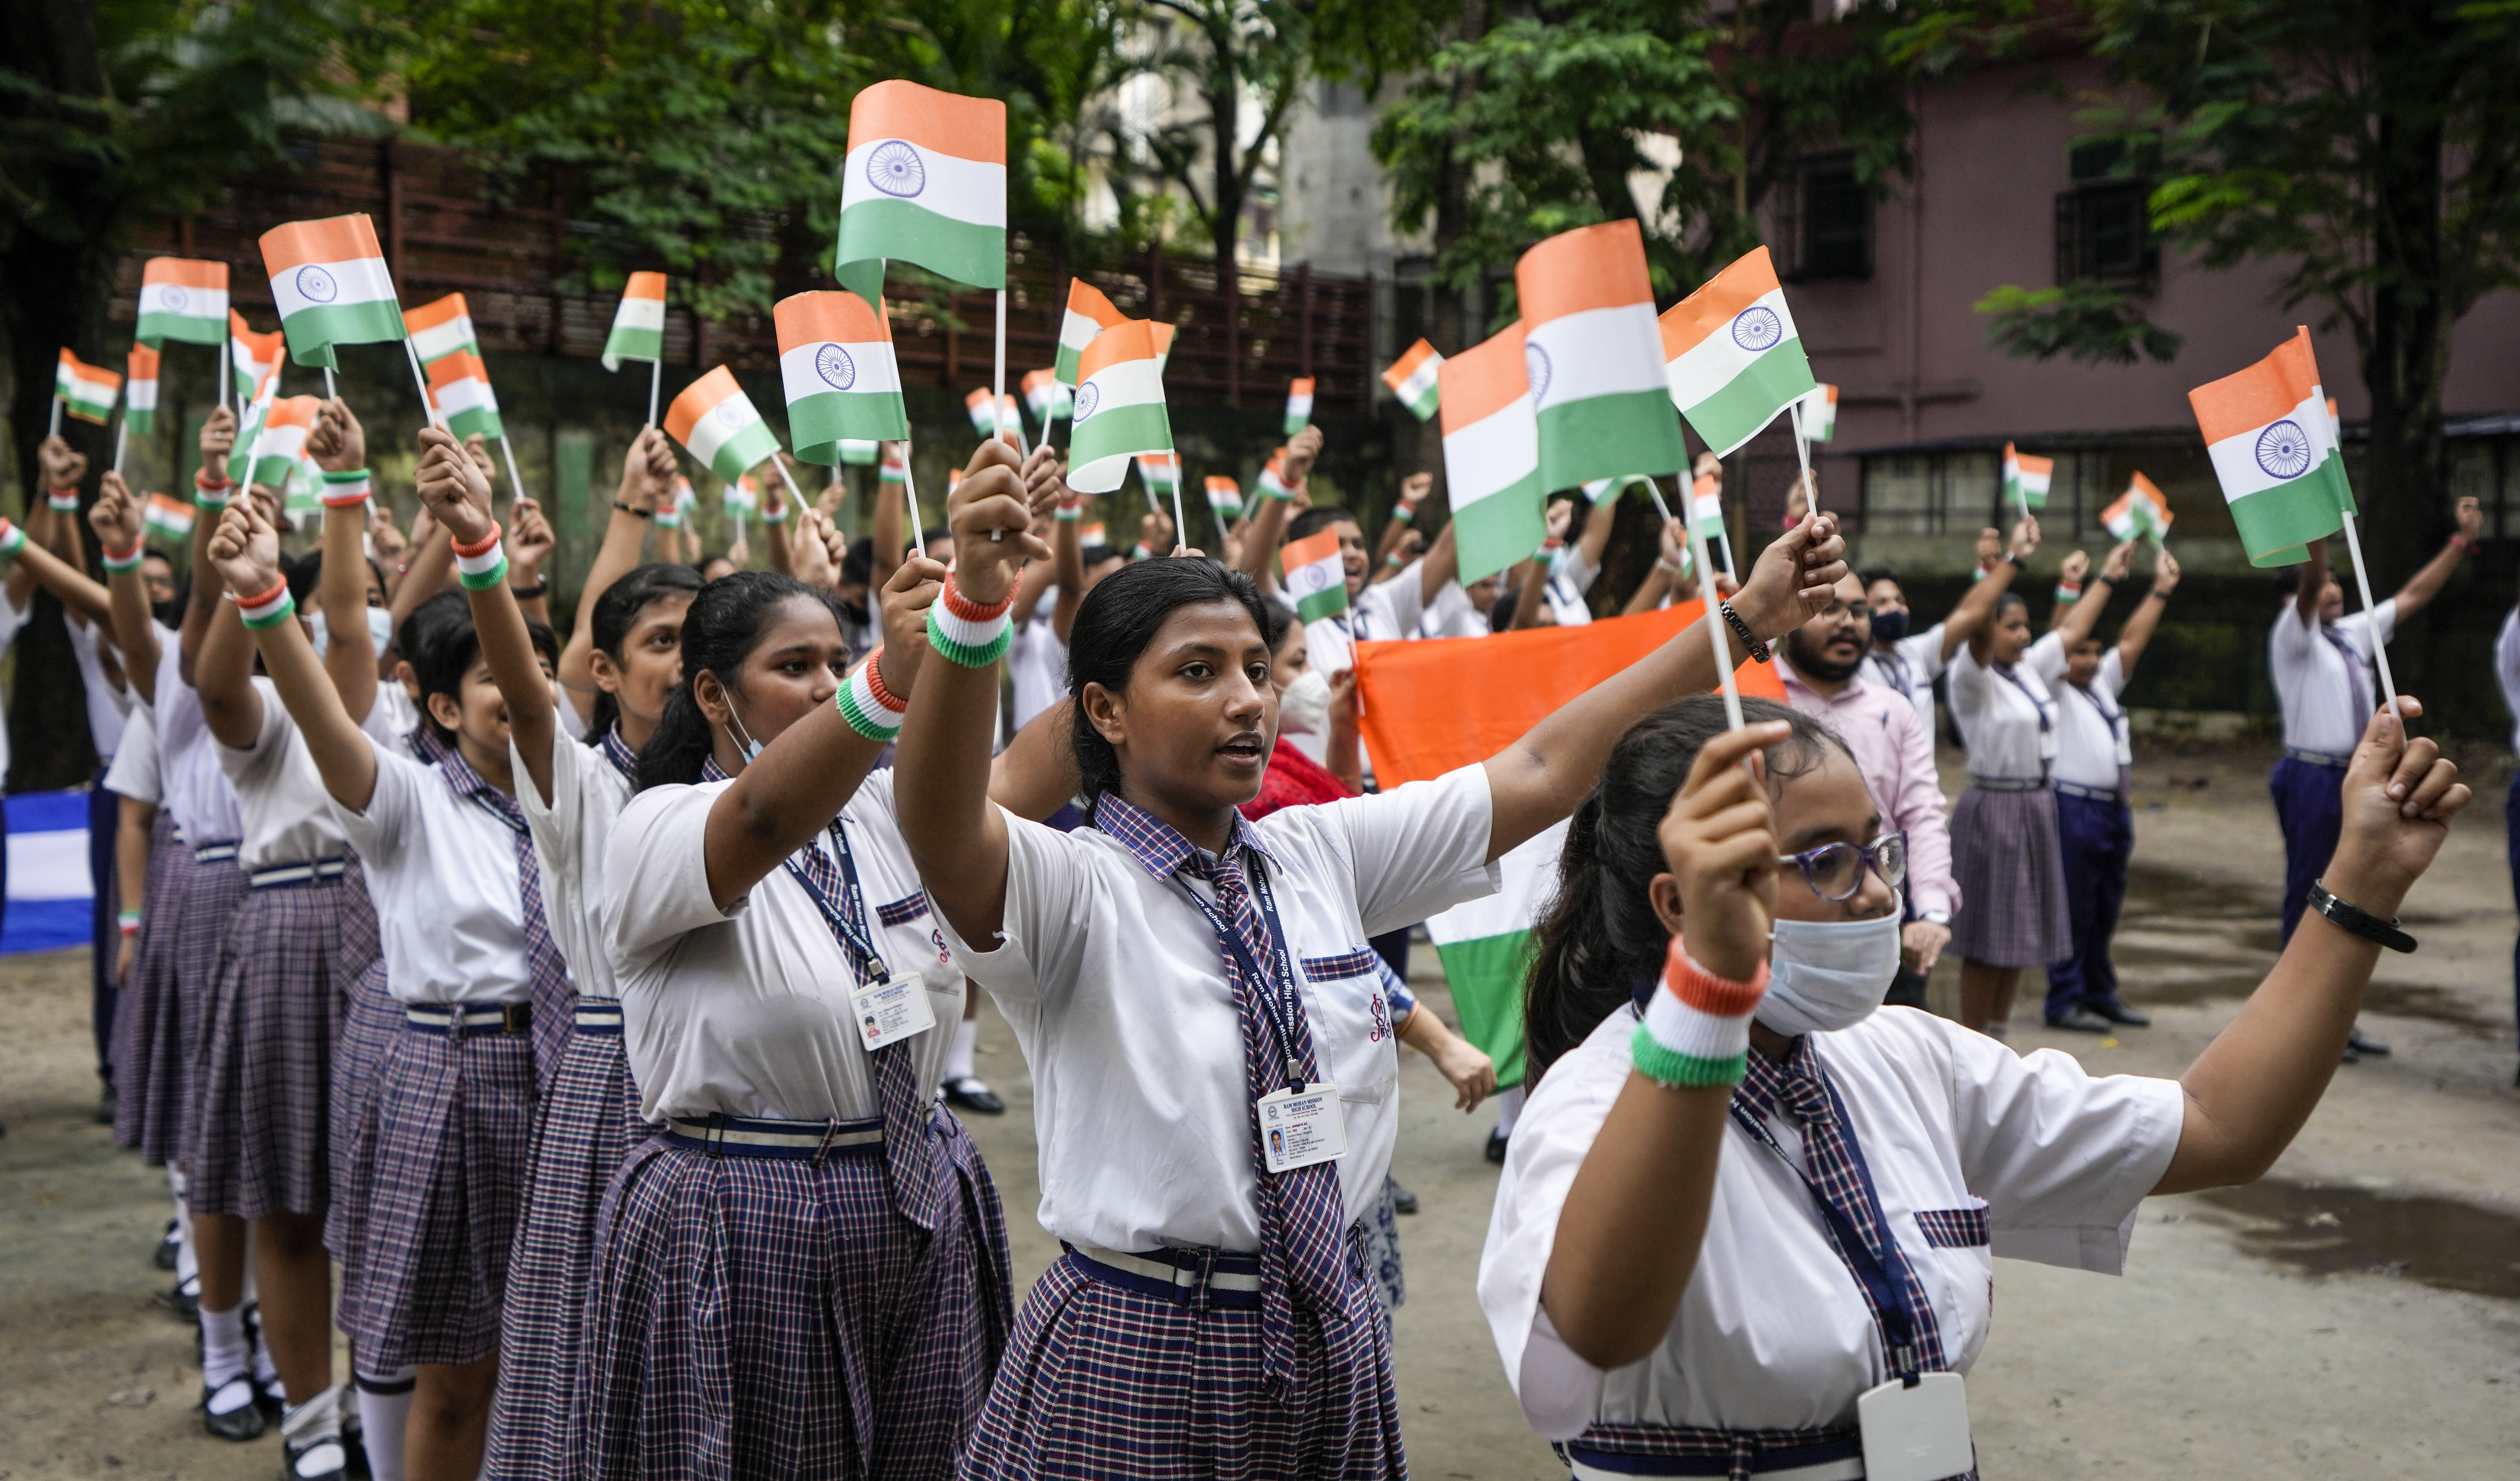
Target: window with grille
[
  {"x": 1825, "y": 223},
  {"x": 2103, "y": 224}
]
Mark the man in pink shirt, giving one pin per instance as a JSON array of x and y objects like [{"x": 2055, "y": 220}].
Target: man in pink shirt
[{"x": 1821, "y": 668}]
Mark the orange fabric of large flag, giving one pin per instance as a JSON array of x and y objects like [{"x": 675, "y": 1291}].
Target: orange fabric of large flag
[{"x": 1431, "y": 707}]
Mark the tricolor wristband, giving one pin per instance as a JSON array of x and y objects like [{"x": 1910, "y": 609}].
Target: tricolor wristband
[
  {"x": 669, "y": 519},
  {"x": 1140, "y": 552},
  {"x": 128, "y": 921},
  {"x": 1067, "y": 510},
  {"x": 63, "y": 500},
  {"x": 2066, "y": 591},
  {"x": 871, "y": 710},
  {"x": 967, "y": 634},
  {"x": 1697, "y": 1029},
  {"x": 118, "y": 561},
  {"x": 270, "y": 609},
  {"x": 483, "y": 564},
  {"x": 777, "y": 516},
  {"x": 1403, "y": 513},
  {"x": 347, "y": 489},
  {"x": 211, "y": 493},
  {"x": 11, "y": 538}
]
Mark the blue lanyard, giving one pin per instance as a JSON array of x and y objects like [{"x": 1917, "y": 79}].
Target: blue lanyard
[
  {"x": 847, "y": 919},
  {"x": 1276, "y": 990}
]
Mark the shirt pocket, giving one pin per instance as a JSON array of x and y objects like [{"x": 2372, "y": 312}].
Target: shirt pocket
[
  {"x": 1955, "y": 1228},
  {"x": 1351, "y": 1022}
]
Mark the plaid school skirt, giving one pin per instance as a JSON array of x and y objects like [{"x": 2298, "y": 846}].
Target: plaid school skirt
[
  {"x": 434, "y": 1174},
  {"x": 203, "y": 899},
  {"x": 776, "y": 1315},
  {"x": 590, "y": 1122},
  {"x": 1103, "y": 1381},
  {"x": 370, "y": 1019},
  {"x": 2010, "y": 868},
  {"x": 144, "y": 1015}
]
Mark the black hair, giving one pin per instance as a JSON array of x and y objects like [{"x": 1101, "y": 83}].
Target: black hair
[
  {"x": 1872, "y": 574},
  {"x": 858, "y": 565},
  {"x": 1275, "y": 623},
  {"x": 1319, "y": 518},
  {"x": 727, "y": 621},
  {"x": 616, "y": 611},
  {"x": 1600, "y": 936},
  {"x": 306, "y": 573},
  {"x": 440, "y": 644},
  {"x": 1115, "y": 623},
  {"x": 2006, "y": 601},
  {"x": 1092, "y": 555}
]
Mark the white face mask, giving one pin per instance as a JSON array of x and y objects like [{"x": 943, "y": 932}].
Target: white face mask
[
  {"x": 1825, "y": 975},
  {"x": 380, "y": 630},
  {"x": 1305, "y": 706}
]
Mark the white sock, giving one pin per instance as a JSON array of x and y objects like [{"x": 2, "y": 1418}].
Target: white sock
[
  {"x": 958, "y": 1059},
  {"x": 1509, "y": 1110},
  {"x": 266, "y": 1373},
  {"x": 224, "y": 1354},
  {"x": 384, "y": 1417},
  {"x": 313, "y": 1425},
  {"x": 188, "y": 1264}
]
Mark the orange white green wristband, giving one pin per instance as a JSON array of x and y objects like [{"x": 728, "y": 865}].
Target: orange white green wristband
[
  {"x": 128, "y": 922},
  {"x": 11, "y": 538},
  {"x": 1696, "y": 1027},
  {"x": 967, "y": 634},
  {"x": 346, "y": 489},
  {"x": 118, "y": 561},
  {"x": 482, "y": 564},
  {"x": 63, "y": 501},
  {"x": 870, "y": 709},
  {"x": 209, "y": 492},
  {"x": 270, "y": 609}
]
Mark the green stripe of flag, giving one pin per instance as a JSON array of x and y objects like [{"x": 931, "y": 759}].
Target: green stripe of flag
[
  {"x": 629, "y": 342},
  {"x": 1122, "y": 431},
  {"x": 1605, "y": 436},
  {"x": 156, "y": 328},
  {"x": 2274, "y": 524},
  {"x": 744, "y": 452},
  {"x": 313, "y": 331},
  {"x": 957, "y": 250},
  {"x": 1486, "y": 980},
  {"x": 1500, "y": 529},
  {"x": 464, "y": 422},
  {"x": 1327, "y": 602},
  {"x": 819, "y": 424},
  {"x": 1751, "y": 399}
]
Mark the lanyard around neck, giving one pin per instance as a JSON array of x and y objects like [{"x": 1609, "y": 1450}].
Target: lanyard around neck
[{"x": 1276, "y": 989}]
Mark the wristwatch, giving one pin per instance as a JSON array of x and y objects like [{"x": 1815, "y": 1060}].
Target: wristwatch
[{"x": 1935, "y": 917}]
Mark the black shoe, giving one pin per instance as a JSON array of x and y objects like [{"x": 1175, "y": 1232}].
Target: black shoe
[
  {"x": 169, "y": 1248},
  {"x": 243, "y": 1422},
  {"x": 105, "y": 1105},
  {"x": 2362, "y": 1043},
  {"x": 325, "y": 1460},
  {"x": 2082, "y": 1021},
  {"x": 184, "y": 1299},
  {"x": 972, "y": 1094},
  {"x": 354, "y": 1437},
  {"x": 1403, "y": 1201},
  {"x": 1496, "y": 1148},
  {"x": 2120, "y": 1014}
]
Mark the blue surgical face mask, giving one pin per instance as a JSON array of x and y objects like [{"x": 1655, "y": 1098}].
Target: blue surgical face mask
[{"x": 1826, "y": 975}]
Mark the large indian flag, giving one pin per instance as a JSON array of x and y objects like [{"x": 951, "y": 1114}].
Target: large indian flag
[
  {"x": 183, "y": 298},
  {"x": 926, "y": 181},
  {"x": 1492, "y": 456},
  {"x": 442, "y": 329},
  {"x": 2026, "y": 478},
  {"x": 86, "y": 392},
  {"x": 1412, "y": 378},
  {"x": 140, "y": 391},
  {"x": 1595, "y": 358},
  {"x": 1089, "y": 313},
  {"x": 459, "y": 387},
  {"x": 281, "y": 443},
  {"x": 1731, "y": 355},
  {"x": 252, "y": 357},
  {"x": 715, "y": 421},
  {"x": 837, "y": 366},
  {"x": 329, "y": 283},
  {"x": 1120, "y": 408},
  {"x": 1316, "y": 576},
  {"x": 639, "y": 324},
  {"x": 2266, "y": 431}
]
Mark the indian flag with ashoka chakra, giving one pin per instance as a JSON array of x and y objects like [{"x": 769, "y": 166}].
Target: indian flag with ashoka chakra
[
  {"x": 837, "y": 369},
  {"x": 1595, "y": 358},
  {"x": 1316, "y": 576},
  {"x": 926, "y": 182},
  {"x": 442, "y": 329},
  {"x": 1492, "y": 456},
  {"x": 184, "y": 299},
  {"x": 1413, "y": 380},
  {"x": 639, "y": 324},
  {"x": 716, "y": 422},
  {"x": 459, "y": 387},
  {"x": 330, "y": 284},
  {"x": 87, "y": 392},
  {"x": 1120, "y": 408},
  {"x": 1732, "y": 354},
  {"x": 2267, "y": 432},
  {"x": 140, "y": 391}
]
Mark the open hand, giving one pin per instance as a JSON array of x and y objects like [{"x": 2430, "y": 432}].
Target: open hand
[
  {"x": 1467, "y": 1069},
  {"x": 1921, "y": 943},
  {"x": 1719, "y": 840},
  {"x": 454, "y": 489},
  {"x": 337, "y": 444},
  {"x": 244, "y": 550}
]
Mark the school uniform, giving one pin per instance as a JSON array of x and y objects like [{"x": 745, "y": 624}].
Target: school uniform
[
  {"x": 806, "y": 1273},
  {"x": 1208, "y": 1319},
  {"x": 1451, "y": 616},
  {"x": 1910, "y": 667},
  {"x": 1385, "y": 612},
  {"x": 143, "y": 1011},
  {"x": 2506, "y": 672},
  {"x": 13, "y": 621},
  {"x": 1036, "y": 666},
  {"x": 1926, "y": 1148},
  {"x": 441, "y": 1144},
  {"x": 2323, "y": 685},
  {"x": 590, "y": 1119},
  {"x": 108, "y": 712},
  {"x": 2004, "y": 849},
  {"x": 2095, "y": 829}
]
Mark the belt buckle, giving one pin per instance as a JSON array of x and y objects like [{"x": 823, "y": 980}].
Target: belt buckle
[{"x": 514, "y": 1017}]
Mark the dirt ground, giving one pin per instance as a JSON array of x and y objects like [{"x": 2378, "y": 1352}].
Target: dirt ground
[{"x": 2357, "y": 1313}]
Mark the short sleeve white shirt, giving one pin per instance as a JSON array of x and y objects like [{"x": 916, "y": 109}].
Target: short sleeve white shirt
[
  {"x": 1451, "y": 616},
  {"x": 1115, "y": 985},
  {"x": 107, "y": 706},
  {"x": 1037, "y": 664},
  {"x": 280, "y": 794},
  {"x": 442, "y": 872},
  {"x": 571, "y": 831},
  {"x": 1390, "y": 611},
  {"x": 2092, "y": 727},
  {"x": 198, "y": 791},
  {"x": 2009, "y": 721},
  {"x": 2506, "y": 669},
  {"x": 1772, "y": 1330},
  {"x": 1910, "y": 666},
  {"x": 2324, "y": 679},
  {"x": 134, "y": 772}
]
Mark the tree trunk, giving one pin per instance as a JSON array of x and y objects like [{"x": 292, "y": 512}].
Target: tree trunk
[
  {"x": 1224, "y": 118},
  {"x": 2407, "y": 471}
]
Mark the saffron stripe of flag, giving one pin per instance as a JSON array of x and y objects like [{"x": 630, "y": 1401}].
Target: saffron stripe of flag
[
  {"x": 2026, "y": 478},
  {"x": 837, "y": 369},
  {"x": 1412, "y": 378},
  {"x": 1316, "y": 576},
  {"x": 1492, "y": 455},
  {"x": 281, "y": 443},
  {"x": 86, "y": 392},
  {"x": 2140, "y": 512},
  {"x": 985, "y": 421},
  {"x": 1299, "y": 404},
  {"x": 1595, "y": 357},
  {"x": 639, "y": 323},
  {"x": 1159, "y": 472},
  {"x": 184, "y": 299},
  {"x": 1706, "y": 507},
  {"x": 1731, "y": 355},
  {"x": 926, "y": 182},
  {"x": 458, "y": 384},
  {"x": 329, "y": 281},
  {"x": 1273, "y": 476},
  {"x": 2266, "y": 433},
  {"x": 252, "y": 357},
  {"x": 442, "y": 329},
  {"x": 1049, "y": 398},
  {"x": 140, "y": 391},
  {"x": 1820, "y": 413},
  {"x": 1089, "y": 313},
  {"x": 1224, "y": 497},
  {"x": 716, "y": 422},
  {"x": 168, "y": 516},
  {"x": 1120, "y": 408},
  {"x": 740, "y": 499}
]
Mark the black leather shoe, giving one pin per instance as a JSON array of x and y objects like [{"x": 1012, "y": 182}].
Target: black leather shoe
[
  {"x": 972, "y": 1094},
  {"x": 105, "y": 1105},
  {"x": 2120, "y": 1014},
  {"x": 2364, "y": 1043},
  {"x": 184, "y": 1299},
  {"x": 324, "y": 1460},
  {"x": 2082, "y": 1021},
  {"x": 1496, "y": 1148},
  {"x": 1403, "y": 1201},
  {"x": 168, "y": 1247},
  {"x": 243, "y": 1422}
]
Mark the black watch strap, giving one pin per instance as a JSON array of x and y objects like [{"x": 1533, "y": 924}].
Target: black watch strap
[{"x": 2359, "y": 922}]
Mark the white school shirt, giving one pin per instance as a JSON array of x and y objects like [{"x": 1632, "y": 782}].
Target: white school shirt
[
  {"x": 198, "y": 791},
  {"x": 442, "y": 872},
  {"x": 134, "y": 772},
  {"x": 2315, "y": 684},
  {"x": 280, "y": 794},
  {"x": 1116, "y": 989},
  {"x": 1773, "y": 1330},
  {"x": 2506, "y": 669},
  {"x": 1037, "y": 664},
  {"x": 2092, "y": 742},
  {"x": 746, "y": 1011},
  {"x": 1385, "y": 612},
  {"x": 1999, "y": 719},
  {"x": 11, "y": 620},
  {"x": 1910, "y": 667},
  {"x": 1451, "y": 616},
  {"x": 571, "y": 832},
  {"x": 107, "y": 706}
]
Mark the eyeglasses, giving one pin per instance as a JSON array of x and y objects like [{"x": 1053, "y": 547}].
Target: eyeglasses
[{"x": 1835, "y": 871}]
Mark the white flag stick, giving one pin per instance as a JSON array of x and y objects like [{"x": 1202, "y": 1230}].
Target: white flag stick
[
  {"x": 656, "y": 379},
  {"x": 428, "y": 408},
  {"x": 1718, "y": 631},
  {"x": 227, "y": 365},
  {"x": 2379, "y": 650},
  {"x": 998, "y": 385},
  {"x": 1180, "y": 531},
  {"x": 54, "y": 429},
  {"x": 328, "y": 393},
  {"x": 909, "y": 491},
  {"x": 795, "y": 495},
  {"x": 1802, "y": 455},
  {"x": 121, "y": 437},
  {"x": 515, "y": 485},
  {"x": 1655, "y": 489}
]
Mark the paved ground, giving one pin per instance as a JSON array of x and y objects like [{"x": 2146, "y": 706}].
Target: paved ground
[{"x": 2358, "y": 1314}]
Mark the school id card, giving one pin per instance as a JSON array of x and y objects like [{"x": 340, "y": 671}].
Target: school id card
[
  {"x": 891, "y": 1010},
  {"x": 1301, "y": 1127}
]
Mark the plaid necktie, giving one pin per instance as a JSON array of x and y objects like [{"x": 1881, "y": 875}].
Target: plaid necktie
[
  {"x": 617, "y": 751},
  {"x": 555, "y": 1008},
  {"x": 1303, "y": 1214},
  {"x": 2354, "y": 692}
]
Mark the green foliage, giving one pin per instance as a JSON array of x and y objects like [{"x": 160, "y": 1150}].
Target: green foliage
[{"x": 2095, "y": 323}]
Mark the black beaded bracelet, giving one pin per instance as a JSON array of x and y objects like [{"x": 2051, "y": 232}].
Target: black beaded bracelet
[
  {"x": 2356, "y": 920},
  {"x": 529, "y": 593},
  {"x": 1742, "y": 630},
  {"x": 634, "y": 511}
]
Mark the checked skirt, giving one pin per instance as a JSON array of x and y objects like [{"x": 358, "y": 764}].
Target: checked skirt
[
  {"x": 370, "y": 1021},
  {"x": 145, "y": 1041},
  {"x": 201, "y": 903}
]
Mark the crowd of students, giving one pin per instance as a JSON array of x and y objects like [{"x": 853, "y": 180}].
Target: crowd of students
[{"x": 597, "y": 1004}]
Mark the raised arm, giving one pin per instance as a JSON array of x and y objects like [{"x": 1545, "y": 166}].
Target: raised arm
[
  {"x": 459, "y": 497},
  {"x": 1414, "y": 490},
  {"x": 2312, "y": 587},
  {"x": 1267, "y": 525},
  {"x": 431, "y": 560},
  {"x": 338, "y": 444},
  {"x": 2070, "y": 575},
  {"x": 1442, "y": 563},
  {"x": 1540, "y": 778},
  {"x": 81, "y": 593},
  {"x": 223, "y": 678},
  {"x": 2138, "y": 631},
  {"x": 218, "y": 440},
  {"x": 646, "y": 475},
  {"x": 2426, "y": 583},
  {"x": 1665, "y": 576},
  {"x": 1067, "y": 553},
  {"x": 1969, "y": 621},
  {"x": 119, "y": 530},
  {"x": 2086, "y": 613},
  {"x": 246, "y": 549}
]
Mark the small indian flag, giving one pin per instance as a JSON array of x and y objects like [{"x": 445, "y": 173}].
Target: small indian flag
[
  {"x": 329, "y": 283},
  {"x": 1598, "y": 489},
  {"x": 1706, "y": 508},
  {"x": 184, "y": 299},
  {"x": 1273, "y": 476},
  {"x": 1732, "y": 356},
  {"x": 2026, "y": 478},
  {"x": 926, "y": 181},
  {"x": 2335, "y": 424},
  {"x": 1049, "y": 399},
  {"x": 896, "y": 467},
  {"x": 1092, "y": 535},
  {"x": 172, "y": 517},
  {"x": 2266, "y": 430},
  {"x": 256, "y": 410},
  {"x": 1299, "y": 404},
  {"x": 252, "y": 357},
  {"x": 715, "y": 421},
  {"x": 1413, "y": 380},
  {"x": 280, "y": 443},
  {"x": 2141, "y": 512},
  {"x": 1595, "y": 357},
  {"x": 837, "y": 369},
  {"x": 140, "y": 393},
  {"x": 1158, "y": 471},
  {"x": 856, "y": 452},
  {"x": 1224, "y": 497},
  {"x": 1492, "y": 455},
  {"x": 1820, "y": 413},
  {"x": 1089, "y": 313},
  {"x": 740, "y": 500},
  {"x": 1316, "y": 576},
  {"x": 86, "y": 392},
  {"x": 442, "y": 329},
  {"x": 459, "y": 387},
  {"x": 639, "y": 324},
  {"x": 1120, "y": 408},
  {"x": 984, "y": 421}
]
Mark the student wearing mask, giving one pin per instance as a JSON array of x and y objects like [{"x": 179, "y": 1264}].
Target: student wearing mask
[{"x": 1908, "y": 662}]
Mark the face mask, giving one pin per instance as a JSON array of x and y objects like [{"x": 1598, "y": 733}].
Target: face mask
[
  {"x": 1825, "y": 975},
  {"x": 1889, "y": 626},
  {"x": 1305, "y": 706},
  {"x": 750, "y": 748},
  {"x": 380, "y": 630}
]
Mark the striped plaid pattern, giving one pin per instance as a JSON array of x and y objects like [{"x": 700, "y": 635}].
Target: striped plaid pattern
[
  {"x": 370, "y": 1020},
  {"x": 261, "y": 1142},
  {"x": 617, "y": 751},
  {"x": 588, "y": 1126},
  {"x": 1103, "y": 1381},
  {"x": 779, "y": 1317},
  {"x": 145, "y": 1042},
  {"x": 1738, "y": 1454},
  {"x": 205, "y": 898},
  {"x": 2010, "y": 868},
  {"x": 1955, "y": 1228},
  {"x": 553, "y": 998},
  {"x": 437, "y": 1170},
  {"x": 1356, "y": 963},
  {"x": 903, "y": 912}
]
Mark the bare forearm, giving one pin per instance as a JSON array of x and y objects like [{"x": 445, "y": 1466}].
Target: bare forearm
[
  {"x": 2137, "y": 635},
  {"x": 135, "y": 632},
  {"x": 223, "y": 677},
  {"x": 1260, "y": 542},
  {"x": 1649, "y": 592},
  {"x": 1629, "y": 1235},
  {"x": 624, "y": 534},
  {"x": 884, "y": 530},
  {"x": 80, "y": 592},
  {"x": 955, "y": 837},
  {"x": 349, "y": 654},
  {"x": 2086, "y": 613},
  {"x": 2426, "y": 584},
  {"x": 426, "y": 576},
  {"x": 133, "y": 824},
  {"x": 507, "y": 647},
  {"x": 205, "y": 588},
  {"x": 784, "y": 796},
  {"x": 1967, "y": 618}
]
